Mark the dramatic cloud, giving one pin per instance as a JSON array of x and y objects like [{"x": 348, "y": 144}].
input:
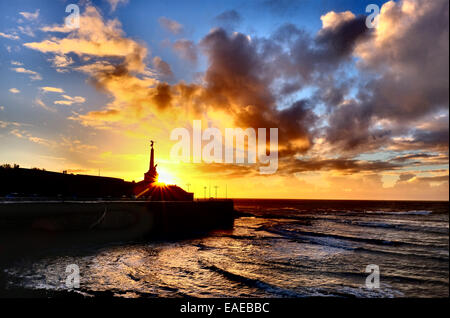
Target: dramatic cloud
[
  {"x": 247, "y": 86},
  {"x": 96, "y": 38},
  {"x": 311, "y": 59},
  {"x": 412, "y": 55},
  {"x": 349, "y": 166},
  {"x": 408, "y": 55},
  {"x": 331, "y": 20},
  {"x": 432, "y": 135},
  {"x": 241, "y": 86}
]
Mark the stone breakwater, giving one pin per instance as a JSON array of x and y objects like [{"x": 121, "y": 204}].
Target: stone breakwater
[{"x": 36, "y": 225}]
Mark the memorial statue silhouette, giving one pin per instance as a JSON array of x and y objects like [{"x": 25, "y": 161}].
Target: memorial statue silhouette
[
  {"x": 151, "y": 189},
  {"x": 151, "y": 175}
]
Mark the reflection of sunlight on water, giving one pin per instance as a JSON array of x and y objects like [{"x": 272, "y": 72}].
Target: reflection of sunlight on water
[
  {"x": 119, "y": 269},
  {"x": 258, "y": 258},
  {"x": 213, "y": 266}
]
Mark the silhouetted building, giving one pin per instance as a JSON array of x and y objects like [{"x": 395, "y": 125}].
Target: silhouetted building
[{"x": 152, "y": 190}]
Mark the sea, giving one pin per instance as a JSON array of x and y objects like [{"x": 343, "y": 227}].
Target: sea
[{"x": 277, "y": 248}]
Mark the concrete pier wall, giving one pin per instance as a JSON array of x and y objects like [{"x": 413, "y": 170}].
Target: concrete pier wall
[{"x": 46, "y": 224}]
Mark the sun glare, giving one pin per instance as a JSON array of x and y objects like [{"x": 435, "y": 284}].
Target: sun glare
[{"x": 165, "y": 177}]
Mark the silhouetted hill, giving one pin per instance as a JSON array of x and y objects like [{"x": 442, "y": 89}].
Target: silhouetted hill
[{"x": 35, "y": 182}]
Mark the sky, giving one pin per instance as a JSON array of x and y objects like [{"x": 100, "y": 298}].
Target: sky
[{"x": 361, "y": 113}]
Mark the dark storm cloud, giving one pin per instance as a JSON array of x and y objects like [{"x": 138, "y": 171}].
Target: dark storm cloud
[
  {"x": 228, "y": 170},
  {"x": 433, "y": 140},
  {"x": 312, "y": 57},
  {"x": 288, "y": 166},
  {"x": 344, "y": 165},
  {"x": 241, "y": 84},
  {"x": 241, "y": 72},
  {"x": 405, "y": 177},
  {"x": 235, "y": 70},
  {"x": 413, "y": 157},
  {"x": 350, "y": 129},
  {"x": 163, "y": 95},
  {"x": 408, "y": 177},
  {"x": 411, "y": 66},
  {"x": 332, "y": 92},
  {"x": 338, "y": 42}
]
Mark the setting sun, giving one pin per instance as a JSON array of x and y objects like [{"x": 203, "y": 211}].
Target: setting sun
[{"x": 165, "y": 177}]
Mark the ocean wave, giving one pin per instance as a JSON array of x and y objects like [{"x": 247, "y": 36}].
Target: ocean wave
[
  {"x": 251, "y": 282},
  {"x": 413, "y": 212},
  {"x": 384, "y": 292},
  {"x": 400, "y": 253},
  {"x": 302, "y": 233},
  {"x": 403, "y": 227},
  {"x": 348, "y": 243}
]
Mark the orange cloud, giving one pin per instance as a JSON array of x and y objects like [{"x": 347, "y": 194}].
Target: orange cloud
[
  {"x": 14, "y": 90},
  {"x": 94, "y": 37},
  {"x": 33, "y": 75},
  {"x": 333, "y": 19},
  {"x": 52, "y": 89}
]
